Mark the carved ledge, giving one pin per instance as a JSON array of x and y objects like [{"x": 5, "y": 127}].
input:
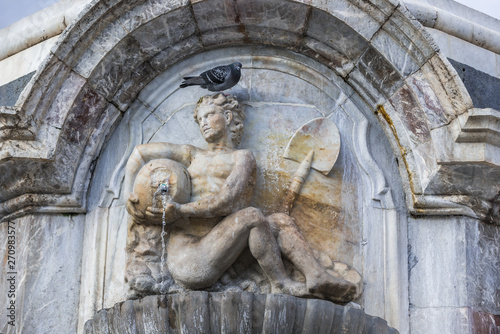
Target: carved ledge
[
  {"x": 233, "y": 312},
  {"x": 482, "y": 126}
]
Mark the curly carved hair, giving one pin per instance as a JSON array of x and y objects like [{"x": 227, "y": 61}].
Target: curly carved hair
[{"x": 226, "y": 103}]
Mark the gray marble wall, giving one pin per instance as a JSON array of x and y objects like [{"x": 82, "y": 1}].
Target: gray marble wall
[
  {"x": 48, "y": 257},
  {"x": 454, "y": 275}
]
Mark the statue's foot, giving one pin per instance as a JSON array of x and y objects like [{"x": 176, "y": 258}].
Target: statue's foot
[
  {"x": 334, "y": 288},
  {"x": 290, "y": 287},
  {"x": 143, "y": 283}
]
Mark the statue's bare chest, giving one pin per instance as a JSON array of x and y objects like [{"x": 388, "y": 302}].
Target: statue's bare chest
[{"x": 209, "y": 172}]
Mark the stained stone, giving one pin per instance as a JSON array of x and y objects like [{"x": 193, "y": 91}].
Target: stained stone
[
  {"x": 410, "y": 51},
  {"x": 164, "y": 31},
  {"x": 283, "y": 16},
  {"x": 272, "y": 36},
  {"x": 366, "y": 17},
  {"x": 408, "y": 110},
  {"x": 334, "y": 59},
  {"x": 66, "y": 48},
  {"x": 369, "y": 91},
  {"x": 48, "y": 84},
  {"x": 137, "y": 80},
  {"x": 173, "y": 53},
  {"x": 137, "y": 14},
  {"x": 325, "y": 100},
  {"x": 427, "y": 97},
  {"x": 454, "y": 90},
  {"x": 336, "y": 34},
  {"x": 223, "y": 36},
  {"x": 48, "y": 250},
  {"x": 79, "y": 125},
  {"x": 218, "y": 22},
  {"x": 205, "y": 312},
  {"x": 119, "y": 63},
  {"x": 280, "y": 314},
  {"x": 379, "y": 72},
  {"x": 108, "y": 32}
]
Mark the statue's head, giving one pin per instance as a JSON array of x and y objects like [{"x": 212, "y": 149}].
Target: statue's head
[{"x": 227, "y": 106}]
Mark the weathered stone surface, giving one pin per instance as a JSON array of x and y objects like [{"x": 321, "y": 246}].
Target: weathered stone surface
[
  {"x": 111, "y": 32},
  {"x": 98, "y": 43},
  {"x": 164, "y": 31},
  {"x": 435, "y": 88},
  {"x": 116, "y": 69},
  {"x": 48, "y": 255},
  {"x": 336, "y": 34},
  {"x": 173, "y": 53},
  {"x": 233, "y": 312},
  {"x": 453, "y": 90},
  {"x": 430, "y": 275},
  {"x": 410, "y": 51},
  {"x": 428, "y": 98},
  {"x": 367, "y": 17},
  {"x": 412, "y": 119},
  {"x": 137, "y": 80},
  {"x": 288, "y": 16},
  {"x": 218, "y": 22},
  {"x": 136, "y": 14},
  {"x": 483, "y": 271},
  {"x": 379, "y": 72}
]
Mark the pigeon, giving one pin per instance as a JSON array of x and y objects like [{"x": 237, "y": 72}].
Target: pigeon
[{"x": 217, "y": 79}]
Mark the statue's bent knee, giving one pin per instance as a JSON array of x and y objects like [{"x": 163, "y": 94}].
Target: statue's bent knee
[{"x": 252, "y": 217}]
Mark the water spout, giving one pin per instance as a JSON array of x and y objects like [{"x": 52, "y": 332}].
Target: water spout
[{"x": 164, "y": 188}]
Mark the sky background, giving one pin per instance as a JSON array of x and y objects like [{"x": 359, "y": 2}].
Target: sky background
[{"x": 14, "y": 10}]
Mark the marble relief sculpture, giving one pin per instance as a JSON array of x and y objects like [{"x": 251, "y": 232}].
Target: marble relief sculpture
[{"x": 192, "y": 227}]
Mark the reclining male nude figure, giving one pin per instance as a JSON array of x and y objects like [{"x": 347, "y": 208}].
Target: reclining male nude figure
[{"x": 218, "y": 224}]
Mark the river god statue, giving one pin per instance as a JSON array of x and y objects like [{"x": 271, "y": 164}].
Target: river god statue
[{"x": 192, "y": 227}]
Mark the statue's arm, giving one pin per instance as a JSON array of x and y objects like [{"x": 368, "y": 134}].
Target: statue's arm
[
  {"x": 221, "y": 204},
  {"x": 144, "y": 153}
]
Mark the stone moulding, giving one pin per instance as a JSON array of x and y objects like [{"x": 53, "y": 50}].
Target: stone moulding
[
  {"x": 233, "y": 312},
  {"x": 103, "y": 60}
]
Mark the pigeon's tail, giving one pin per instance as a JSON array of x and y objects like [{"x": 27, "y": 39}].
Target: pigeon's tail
[{"x": 192, "y": 81}]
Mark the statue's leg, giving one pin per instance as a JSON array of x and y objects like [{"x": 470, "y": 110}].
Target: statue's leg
[
  {"x": 203, "y": 261},
  {"x": 296, "y": 248}
]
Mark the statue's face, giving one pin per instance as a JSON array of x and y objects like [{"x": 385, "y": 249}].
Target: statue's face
[{"x": 212, "y": 121}]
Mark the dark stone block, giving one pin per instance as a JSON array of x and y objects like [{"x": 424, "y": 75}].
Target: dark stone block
[
  {"x": 9, "y": 93},
  {"x": 482, "y": 87}
]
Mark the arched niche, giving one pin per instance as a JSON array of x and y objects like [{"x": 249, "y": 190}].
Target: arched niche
[{"x": 353, "y": 211}]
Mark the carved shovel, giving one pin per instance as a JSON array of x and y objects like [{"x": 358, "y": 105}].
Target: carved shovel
[{"x": 316, "y": 144}]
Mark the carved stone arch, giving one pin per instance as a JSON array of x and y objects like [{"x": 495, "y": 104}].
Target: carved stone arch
[
  {"x": 103, "y": 60},
  {"x": 368, "y": 215}
]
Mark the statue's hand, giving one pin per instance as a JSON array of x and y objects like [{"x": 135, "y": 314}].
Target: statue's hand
[
  {"x": 171, "y": 213},
  {"x": 132, "y": 209}
]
